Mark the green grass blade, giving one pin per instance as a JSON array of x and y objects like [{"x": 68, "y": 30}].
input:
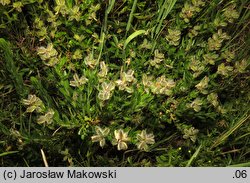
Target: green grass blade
[
  {"x": 12, "y": 69},
  {"x": 111, "y": 6},
  {"x": 241, "y": 165},
  {"x": 104, "y": 28},
  {"x": 165, "y": 10},
  {"x": 3, "y": 128},
  {"x": 223, "y": 137},
  {"x": 131, "y": 16},
  {"x": 166, "y": 7},
  {"x": 194, "y": 156},
  {"x": 8, "y": 153},
  {"x": 132, "y": 36},
  {"x": 161, "y": 10},
  {"x": 42, "y": 91}
]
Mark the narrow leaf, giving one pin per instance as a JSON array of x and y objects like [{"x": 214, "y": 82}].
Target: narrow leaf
[
  {"x": 8, "y": 153},
  {"x": 132, "y": 36}
]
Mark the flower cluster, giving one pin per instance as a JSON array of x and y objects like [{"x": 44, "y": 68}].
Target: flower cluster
[
  {"x": 18, "y": 6},
  {"x": 196, "y": 66},
  {"x": 213, "y": 99},
  {"x": 224, "y": 70},
  {"x": 41, "y": 30},
  {"x": 5, "y": 2},
  {"x": 75, "y": 13},
  {"x": 78, "y": 82},
  {"x": 46, "y": 118},
  {"x": 228, "y": 55},
  {"x": 219, "y": 22},
  {"x": 196, "y": 104},
  {"x": 147, "y": 82},
  {"x": 48, "y": 54},
  {"x": 173, "y": 37},
  {"x": 241, "y": 66},
  {"x": 210, "y": 58},
  {"x": 104, "y": 70},
  {"x": 61, "y": 7},
  {"x": 34, "y": 104},
  {"x": 121, "y": 138},
  {"x": 215, "y": 42},
  {"x": 100, "y": 135},
  {"x": 77, "y": 54},
  {"x": 92, "y": 13},
  {"x": 190, "y": 9},
  {"x": 161, "y": 85},
  {"x": 90, "y": 61},
  {"x": 146, "y": 44},
  {"x": 144, "y": 139},
  {"x": 54, "y": 22},
  {"x": 194, "y": 31},
  {"x": 105, "y": 92},
  {"x": 158, "y": 58},
  {"x": 230, "y": 13},
  {"x": 191, "y": 133},
  {"x": 126, "y": 80},
  {"x": 202, "y": 85}
]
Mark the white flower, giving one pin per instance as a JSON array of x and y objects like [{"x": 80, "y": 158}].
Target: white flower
[
  {"x": 108, "y": 86},
  {"x": 224, "y": 70},
  {"x": 190, "y": 133},
  {"x": 196, "y": 104},
  {"x": 90, "y": 61},
  {"x": 100, "y": 135},
  {"x": 202, "y": 85},
  {"x": 52, "y": 61},
  {"x": 47, "y": 118},
  {"x": 105, "y": 93},
  {"x": 146, "y": 44},
  {"x": 47, "y": 53},
  {"x": 104, "y": 70},
  {"x": 5, "y": 2},
  {"x": 158, "y": 58},
  {"x": 144, "y": 139},
  {"x": 126, "y": 79},
  {"x": 129, "y": 76},
  {"x": 77, "y": 54},
  {"x": 163, "y": 86},
  {"x": 213, "y": 99},
  {"x": 77, "y": 82},
  {"x": 147, "y": 81},
  {"x": 18, "y": 6},
  {"x": 33, "y": 103},
  {"x": 196, "y": 66},
  {"x": 120, "y": 140},
  {"x": 241, "y": 66}
]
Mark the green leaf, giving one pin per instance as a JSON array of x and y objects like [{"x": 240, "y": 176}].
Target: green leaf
[
  {"x": 12, "y": 68},
  {"x": 43, "y": 92},
  {"x": 132, "y": 36},
  {"x": 131, "y": 16},
  {"x": 111, "y": 5},
  {"x": 8, "y": 153},
  {"x": 237, "y": 125},
  {"x": 194, "y": 156}
]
